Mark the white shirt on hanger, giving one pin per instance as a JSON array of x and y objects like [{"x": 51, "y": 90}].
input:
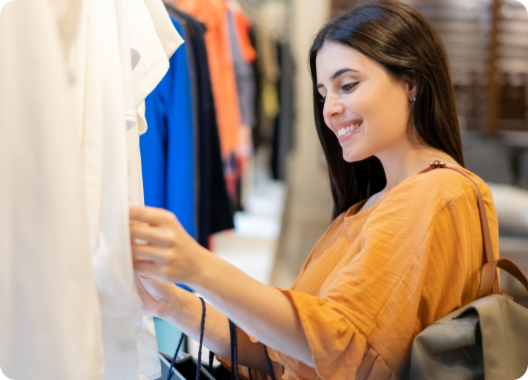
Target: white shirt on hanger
[
  {"x": 50, "y": 321},
  {"x": 107, "y": 189},
  {"x": 154, "y": 39}
]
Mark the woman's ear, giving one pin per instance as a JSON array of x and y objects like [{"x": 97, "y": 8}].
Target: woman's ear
[{"x": 410, "y": 87}]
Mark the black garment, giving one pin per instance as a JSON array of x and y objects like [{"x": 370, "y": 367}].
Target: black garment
[
  {"x": 257, "y": 127},
  {"x": 283, "y": 128},
  {"x": 215, "y": 213}
]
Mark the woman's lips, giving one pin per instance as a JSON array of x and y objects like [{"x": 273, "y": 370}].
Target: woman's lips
[
  {"x": 343, "y": 136},
  {"x": 344, "y": 126}
]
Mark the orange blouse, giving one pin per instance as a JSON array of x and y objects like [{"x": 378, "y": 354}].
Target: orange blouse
[{"x": 380, "y": 276}]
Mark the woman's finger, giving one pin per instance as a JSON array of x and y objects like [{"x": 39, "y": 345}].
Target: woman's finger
[
  {"x": 160, "y": 256},
  {"x": 160, "y": 272},
  {"x": 147, "y": 267},
  {"x": 157, "y": 236},
  {"x": 151, "y": 215},
  {"x": 136, "y": 223}
]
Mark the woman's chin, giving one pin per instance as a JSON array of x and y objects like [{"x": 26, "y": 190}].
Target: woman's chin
[{"x": 353, "y": 157}]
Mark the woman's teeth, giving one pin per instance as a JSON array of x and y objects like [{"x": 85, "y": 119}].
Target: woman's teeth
[{"x": 343, "y": 131}]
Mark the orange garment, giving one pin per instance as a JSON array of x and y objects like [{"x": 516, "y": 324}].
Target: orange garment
[
  {"x": 243, "y": 25},
  {"x": 213, "y": 13},
  {"x": 379, "y": 277}
]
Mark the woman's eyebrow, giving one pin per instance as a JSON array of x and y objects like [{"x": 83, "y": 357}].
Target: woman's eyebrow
[
  {"x": 341, "y": 72},
  {"x": 337, "y": 74}
]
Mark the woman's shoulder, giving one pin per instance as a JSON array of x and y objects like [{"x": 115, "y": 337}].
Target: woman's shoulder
[
  {"x": 428, "y": 205},
  {"x": 424, "y": 198},
  {"x": 441, "y": 186}
]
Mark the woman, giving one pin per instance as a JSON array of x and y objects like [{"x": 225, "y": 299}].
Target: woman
[{"x": 404, "y": 248}]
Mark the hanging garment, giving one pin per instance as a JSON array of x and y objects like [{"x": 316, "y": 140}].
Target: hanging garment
[
  {"x": 259, "y": 80},
  {"x": 114, "y": 91},
  {"x": 151, "y": 71},
  {"x": 270, "y": 71},
  {"x": 213, "y": 14},
  {"x": 170, "y": 40},
  {"x": 215, "y": 213},
  {"x": 50, "y": 322},
  {"x": 245, "y": 79},
  {"x": 149, "y": 60},
  {"x": 283, "y": 131},
  {"x": 107, "y": 114},
  {"x": 167, "y": 149},
  {"x": 167, "y": 33},
  {"x": 246, "y": 88},
  {"x": 243, "y": 27}
]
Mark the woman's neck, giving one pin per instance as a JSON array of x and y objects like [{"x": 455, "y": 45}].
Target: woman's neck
[{"x": 401, "y": 163}]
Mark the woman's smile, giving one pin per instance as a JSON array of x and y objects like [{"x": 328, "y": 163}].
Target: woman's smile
[{"x": 346, "y": 132}]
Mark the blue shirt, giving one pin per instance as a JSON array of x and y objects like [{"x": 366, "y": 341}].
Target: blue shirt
[{"x": 167, "y": 148}]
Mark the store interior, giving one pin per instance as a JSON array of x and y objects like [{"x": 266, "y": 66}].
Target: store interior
[{"x": 275, "y": 200}]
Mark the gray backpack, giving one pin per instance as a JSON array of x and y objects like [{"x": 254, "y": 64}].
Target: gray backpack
[{"x": 486, "y": 339}]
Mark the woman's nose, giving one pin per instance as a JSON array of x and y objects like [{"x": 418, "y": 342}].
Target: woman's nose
[{"x": 332, "y": 107}]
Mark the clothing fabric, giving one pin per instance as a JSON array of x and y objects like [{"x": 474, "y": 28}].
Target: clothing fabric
[
  {"x": 257, "y": 130},
  {"x": 156, "y": 19},
  {"x": 243, "y": 26},
  {"x": 170, "y": 40},
  {"x": 76, "y": 56},
  {"x": 50, "y": 312},
  {"x": 167, "y": 34},
  {"x": 213, "y": 14},
  {"x": 379, "y": 276},
  {"x": 149, "y": 367},
  {"x": 283, "y": 131},
  {"x": 214, "y": 210},
  {"x": 167, "y": 149},
  {"x": 269, "y": 70},
  {"x": 245, "y": 79},
  {"x": 149, "y": 60},
  {"x": 108, "y": 112}
]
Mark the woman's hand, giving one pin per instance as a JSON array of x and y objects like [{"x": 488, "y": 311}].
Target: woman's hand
[
  {"x": 161, "y": 247},
  {"x": 163, "y": 250}
]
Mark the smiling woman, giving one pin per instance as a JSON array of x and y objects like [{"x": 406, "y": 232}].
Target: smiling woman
[
  {"x": 398, "y": 73},
  {"x": 402, "y": 251}
]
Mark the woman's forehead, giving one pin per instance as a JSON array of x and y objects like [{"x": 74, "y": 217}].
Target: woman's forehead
[
  {"x": 335, "y": 56},
  {"x": 332, "y": 51}
]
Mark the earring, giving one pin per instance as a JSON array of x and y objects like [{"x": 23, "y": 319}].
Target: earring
[{"x": 414, "y": 99}]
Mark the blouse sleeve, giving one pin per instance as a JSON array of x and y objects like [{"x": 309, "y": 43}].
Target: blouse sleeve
[
  {"x": 363, "y": 324},
  {"x": 244, "y": 371},
  {"x": 278, "y": 369}
]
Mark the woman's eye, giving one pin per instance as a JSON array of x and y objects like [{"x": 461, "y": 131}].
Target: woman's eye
[
  {"x": 349, "y": 87},
  {"x": 322, "y": 99}
]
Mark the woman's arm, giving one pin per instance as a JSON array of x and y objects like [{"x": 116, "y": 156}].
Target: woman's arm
[
  {"x": 184, "y": 309},
  {"x": 260, "y": 310}
]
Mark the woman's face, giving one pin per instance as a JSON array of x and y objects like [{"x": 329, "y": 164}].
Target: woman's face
[{"x": 364, "y": 106}]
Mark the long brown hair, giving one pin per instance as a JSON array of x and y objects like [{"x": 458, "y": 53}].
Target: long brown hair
[{"x": 398, "y": 37}]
